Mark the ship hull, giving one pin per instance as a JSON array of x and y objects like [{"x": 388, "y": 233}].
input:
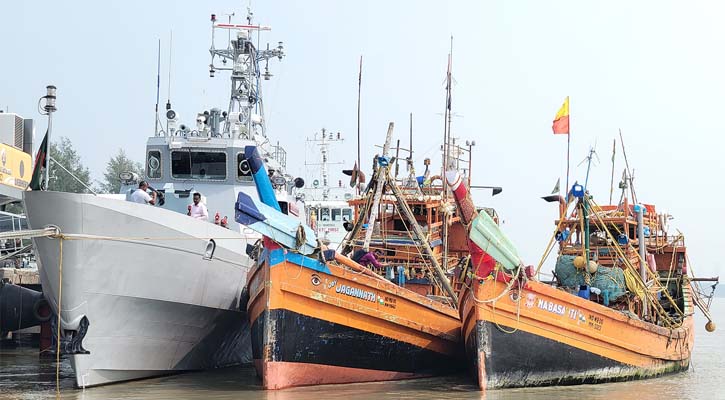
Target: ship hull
[
  {"x": 542, "y": 336},
  {"x": 315, "y": 323},
  {"x": 138, "y": 297}
]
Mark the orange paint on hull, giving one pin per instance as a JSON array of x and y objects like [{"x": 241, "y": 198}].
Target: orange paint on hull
[
  {"x": 638, "y": 348},
  {"x": 347, "y": 300},
  {"x": 280, "y": 375}
]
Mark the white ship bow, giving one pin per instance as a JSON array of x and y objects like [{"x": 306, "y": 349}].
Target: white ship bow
[{"x": 153, "y": 303}]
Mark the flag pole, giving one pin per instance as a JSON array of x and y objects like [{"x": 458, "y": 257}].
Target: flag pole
[
  {"x": 568, "y": 142},
  {"x": 49, "y": 108},
  {"x": 611, "y": 184}
]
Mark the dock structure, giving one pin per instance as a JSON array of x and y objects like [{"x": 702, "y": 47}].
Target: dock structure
[
  {"x": 16, "y": 148},
  {"x": 20, "y": 276}
]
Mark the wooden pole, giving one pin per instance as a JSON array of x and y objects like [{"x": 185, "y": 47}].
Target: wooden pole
[
  {"x": 397, "y": 155},
  {"x": 362, "y": 213},
  {"x": 410, "y": 141},
  {"x": 626, "y": 164},
  {"x": 447, "y": 152},
  {"x": 423, "y": 242},
  {"x": 359, "y": 91},
  {"x": 379, "y": 189},
  {"x": 568, "y": 146},
  {"x": 611, "y": 184}
]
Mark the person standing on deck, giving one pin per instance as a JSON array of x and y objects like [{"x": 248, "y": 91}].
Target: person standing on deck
[
  {"x": 140, "y": 195},
  {"x": 198, "y": 209}
]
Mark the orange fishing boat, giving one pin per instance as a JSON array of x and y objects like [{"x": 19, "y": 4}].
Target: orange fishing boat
[
  {"x": 620, "y": 307},
  {"x": 319, "y": 322},
  {"x": 320, "y": 317}
]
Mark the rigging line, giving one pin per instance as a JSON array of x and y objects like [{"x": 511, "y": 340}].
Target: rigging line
[
  {"x": 626, "y": 163},
  {"x": 427, "y": 266},
  {"x": 638, "y": 280},
  {"x": 72, "y": 175},
  {"x": 60, "y": 299},
  {"x": 145, "y": 242}
]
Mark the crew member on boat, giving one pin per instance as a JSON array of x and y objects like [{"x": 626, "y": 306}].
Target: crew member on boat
[
  {"x": 141, "y": 196},
  {"x": 370, "y": 258},
  {"x": 198, "y": 209}
]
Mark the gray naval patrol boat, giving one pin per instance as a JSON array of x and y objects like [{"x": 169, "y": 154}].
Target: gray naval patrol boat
[{"x": 148, "y": 290}]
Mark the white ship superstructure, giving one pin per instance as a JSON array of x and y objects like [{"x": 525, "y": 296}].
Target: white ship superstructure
[{"x": 326, "y": 197}]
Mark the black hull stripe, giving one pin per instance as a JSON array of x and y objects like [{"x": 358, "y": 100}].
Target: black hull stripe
[
  {"x": 298, "y": 338},
  {"x": 522, "y": 359}
]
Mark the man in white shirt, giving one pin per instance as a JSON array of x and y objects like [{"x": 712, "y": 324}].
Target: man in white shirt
[
  {"x": 198, "y": 209},
  {"x": 140, "y": 195}
]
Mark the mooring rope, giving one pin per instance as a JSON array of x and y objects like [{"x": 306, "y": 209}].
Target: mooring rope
[{"x": 58, "y": 329}]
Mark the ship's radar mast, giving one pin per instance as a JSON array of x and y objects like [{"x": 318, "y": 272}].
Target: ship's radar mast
[
  {"x": 323, "y": 141},
  {"x": 245, "y": 115}
]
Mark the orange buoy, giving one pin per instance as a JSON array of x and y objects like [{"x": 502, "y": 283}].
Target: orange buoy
[{"x": 710, "y": 326}]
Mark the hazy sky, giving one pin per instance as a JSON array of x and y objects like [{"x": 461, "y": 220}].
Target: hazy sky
[{"x": 652, "y": 68}]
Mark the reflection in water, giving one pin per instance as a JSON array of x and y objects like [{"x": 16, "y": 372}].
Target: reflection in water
[{"x": 24, "y": 376}]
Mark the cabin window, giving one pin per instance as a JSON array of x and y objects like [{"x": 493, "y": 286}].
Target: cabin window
[
  {"x": 198, "y": 165},
  {"x": 153, "y": 165},
  {"x": 347, "y": 214},
  {"x": 324, "y": 214},
  {"x": 244, "y": 172},
  {"x": 336, "y": 214}
]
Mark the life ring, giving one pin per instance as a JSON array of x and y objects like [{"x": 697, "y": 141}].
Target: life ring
[{"x": 434, "y": 178}]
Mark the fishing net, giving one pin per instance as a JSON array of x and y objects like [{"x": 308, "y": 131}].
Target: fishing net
[{"x": 610, "y": 279}]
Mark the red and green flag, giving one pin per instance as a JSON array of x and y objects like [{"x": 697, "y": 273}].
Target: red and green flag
[{"x": 41, "y": 161}]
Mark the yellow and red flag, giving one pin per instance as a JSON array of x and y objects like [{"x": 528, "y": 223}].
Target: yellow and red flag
[{"x": 561, "y": 121}]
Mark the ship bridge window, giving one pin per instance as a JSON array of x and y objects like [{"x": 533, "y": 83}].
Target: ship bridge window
[
  {"x": 153, "y": 164},
  {"x": 336, "y": 214},
  {"x": 244, "y": 172},
  {"x": 347, "y": 214},
  {"x": 198, "y": 165},
  {"x": 324, "y": 214}
]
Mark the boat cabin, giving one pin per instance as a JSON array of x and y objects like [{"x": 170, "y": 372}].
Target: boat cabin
[{"x": 404, "y": 261}]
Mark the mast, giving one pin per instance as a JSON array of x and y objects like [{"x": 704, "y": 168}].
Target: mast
[
  {"x": 244, "y": 116},
  {"x": 628, "y": 171},
  {"x": 410, "y": 141},
  {"x": 359, "y": 91},
  {"x": 642, "y": 247},
  {"x": 446, "y": 153},
  {"x": 378, "y": 189},
  {"x": 585, "y": 206},
  {"x": 49, "y": 108},
  {"x": 324, "y": 143},
  {"x": 611, "y": 184}
]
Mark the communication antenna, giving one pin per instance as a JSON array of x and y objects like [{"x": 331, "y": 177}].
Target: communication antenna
[
  {"x": 158, "y": 88},
  {"x": 410, "y": 139},
  {"x": 588, "y": 159},
  {"x": 171, "y": 51}
]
